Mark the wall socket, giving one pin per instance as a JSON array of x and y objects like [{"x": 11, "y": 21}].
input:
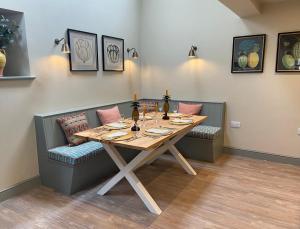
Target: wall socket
[
  {"x": 298, "y": 131},
  {"x": 235, "y": 124}
]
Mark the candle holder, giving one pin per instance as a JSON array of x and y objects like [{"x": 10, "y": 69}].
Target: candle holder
[
  {"x": 135, "y": 115},
  {"x": 166, "y": 106}
]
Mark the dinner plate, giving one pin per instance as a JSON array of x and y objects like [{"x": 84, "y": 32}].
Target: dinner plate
[
  {"x": 158, "y": 131},
  {"x": 174, "y": 115},
  {"x": 116, "y": 135},
  {"x": 147, "y": 117},
  {"x": 181, "y": 121},
  {"x": 116, "y": 125}
]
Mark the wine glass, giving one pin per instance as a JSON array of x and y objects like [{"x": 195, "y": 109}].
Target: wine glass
[
  {"x": 122, "y": 120},
  {"x": 175, "y": 109}
]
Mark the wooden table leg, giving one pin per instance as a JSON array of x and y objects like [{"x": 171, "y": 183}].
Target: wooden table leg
[
  {"x": 126, "y": 170},
  {"x": 182, "y": 161}
]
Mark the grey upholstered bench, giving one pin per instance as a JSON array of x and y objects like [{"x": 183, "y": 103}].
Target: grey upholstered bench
[
  {"x": 76, "y": 154},
  {"x": 206, "y": 141},
  {"x": 71, "y": 169}
]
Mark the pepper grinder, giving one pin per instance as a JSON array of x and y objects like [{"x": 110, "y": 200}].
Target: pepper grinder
[
  {"x": 166, "y": 106},
  {"x": 135, "y": 113}
]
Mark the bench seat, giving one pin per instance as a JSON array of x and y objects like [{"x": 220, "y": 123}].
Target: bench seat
[
  {"x": 76, "y": 154},
  {"x": 205, "y": 132}
]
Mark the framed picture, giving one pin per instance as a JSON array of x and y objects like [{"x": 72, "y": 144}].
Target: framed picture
[
  {"x": 112, "y": 53},
  {"x": 83, "y": 50},
  {"x": 288, "y": 52},
  {"x": 248, "y": 54}
]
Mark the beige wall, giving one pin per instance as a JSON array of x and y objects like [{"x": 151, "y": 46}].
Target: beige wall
[
  {"x": 55, "y": 87},
  {"x": 267, "y": 105}
]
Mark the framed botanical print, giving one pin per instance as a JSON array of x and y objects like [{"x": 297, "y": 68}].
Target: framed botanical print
[
  {"x": 248, "y": 54},
  {"x": 288, "y": 52},
  {"x": 83, "y": 50},
  {"x": 112, "y": 53}
]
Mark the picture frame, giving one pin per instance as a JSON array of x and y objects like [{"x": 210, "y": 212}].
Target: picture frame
[
  {"x": 288, "y": 52},
  {"x": 83, "y": 50},
  {"x": 112, "y": 53},
  {"x": 248, "y": 54}
]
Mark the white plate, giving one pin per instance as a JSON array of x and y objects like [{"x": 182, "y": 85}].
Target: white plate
[
  {"x": 147, "y": 117},
  {"x": 174, "y": 115},
  {"x": 117, "y": 125},
  {"x": 115, "y": 135},
  {"x": 182, "y": 121},
  {"x": 158, "y": 131}
]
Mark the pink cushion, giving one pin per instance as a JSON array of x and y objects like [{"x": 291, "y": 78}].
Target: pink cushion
[
  {"x": 191, "y": 109},
  {"x": 109, "y": 115}
]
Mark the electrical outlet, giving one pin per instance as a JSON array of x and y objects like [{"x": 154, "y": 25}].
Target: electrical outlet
[
  {"x": 298, "y": 131},
  {"x": 235, "y": 124}
]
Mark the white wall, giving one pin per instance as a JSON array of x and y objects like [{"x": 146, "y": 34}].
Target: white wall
[
  {"x": 266, "y": 104},
  {"x": 55, "y": 87}
]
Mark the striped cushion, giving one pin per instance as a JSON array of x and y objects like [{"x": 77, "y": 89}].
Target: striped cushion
[
  {"x": 73, "y": 124},
  {"x": 205, "y": 132},
  {"x": 76, "y": 154}
]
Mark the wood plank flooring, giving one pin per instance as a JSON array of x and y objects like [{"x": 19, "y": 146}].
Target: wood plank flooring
[{"x": 235, "y": 192}]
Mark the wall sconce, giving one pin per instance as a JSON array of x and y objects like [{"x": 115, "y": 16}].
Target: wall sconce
[
  {"x": 65, "y": 47},
  {"x": 193, "y": 51},
  {"x": 135, "y": 54}
]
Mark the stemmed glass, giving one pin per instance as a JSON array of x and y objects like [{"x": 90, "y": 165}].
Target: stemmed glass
[
  {"x": 122, "y": 120},
  {"x": 175, "y": 109}
]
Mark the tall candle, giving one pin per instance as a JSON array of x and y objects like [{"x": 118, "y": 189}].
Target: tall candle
[
  {"x": 134, "y": 97},
  {"x": 166, "y": 92}
]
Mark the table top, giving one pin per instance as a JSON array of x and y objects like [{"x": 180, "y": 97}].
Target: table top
[{"x": 140, "y": 140}]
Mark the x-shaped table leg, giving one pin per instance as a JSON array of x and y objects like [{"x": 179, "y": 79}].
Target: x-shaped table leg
[{"x": 126, "y": 170}]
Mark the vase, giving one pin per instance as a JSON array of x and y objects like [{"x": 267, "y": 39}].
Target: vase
[{"x": 2, "y": 61}]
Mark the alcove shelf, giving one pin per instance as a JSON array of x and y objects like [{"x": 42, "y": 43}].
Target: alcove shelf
[
  {"x": 17, "y": 78},
  {"x": 17, "y": 58}
]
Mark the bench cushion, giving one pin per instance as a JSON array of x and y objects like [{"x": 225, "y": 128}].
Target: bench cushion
[
  {"x": 76, "y": 154},
  {"x": 205, "y": 132}
]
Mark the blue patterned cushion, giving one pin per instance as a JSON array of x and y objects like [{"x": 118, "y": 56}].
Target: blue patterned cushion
[
  {"x": 205, "y": 132},
  {"x": 76, "y": 154}
]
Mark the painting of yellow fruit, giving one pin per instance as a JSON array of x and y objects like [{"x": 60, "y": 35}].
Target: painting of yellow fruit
[
  {"x": 253, "y": 59},
  {"x": 248, "y": 54}
]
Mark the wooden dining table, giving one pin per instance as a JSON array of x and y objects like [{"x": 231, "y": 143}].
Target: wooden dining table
[{"x": 150, "y": 147}]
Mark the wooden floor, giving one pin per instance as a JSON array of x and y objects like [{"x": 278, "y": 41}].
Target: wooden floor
[{"x": 235, "y": 192}]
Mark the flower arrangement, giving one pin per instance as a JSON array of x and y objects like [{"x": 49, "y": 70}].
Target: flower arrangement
[{"x": 8, "y": 31}]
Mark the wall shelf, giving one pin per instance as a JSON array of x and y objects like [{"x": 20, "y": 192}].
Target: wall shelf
[
  {"x": 17, "y": 78},
  {"x": 17, "y": 59}
]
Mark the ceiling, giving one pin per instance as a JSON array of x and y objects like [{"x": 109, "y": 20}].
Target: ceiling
[{"x": 246, "y": 8}]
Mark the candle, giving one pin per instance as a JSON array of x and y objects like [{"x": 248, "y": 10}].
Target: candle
[
  {"x": 166, "y": 92},
  {"x": 134, "y": 97}
]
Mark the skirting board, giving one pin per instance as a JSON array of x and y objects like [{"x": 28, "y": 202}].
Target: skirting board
[
  {"x": 262, "y": 156},
  {"x": 20, "y": 188}
]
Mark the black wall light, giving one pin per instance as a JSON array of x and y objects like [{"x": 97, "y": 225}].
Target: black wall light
[
  {"x": 135, "y": 54},
  {"x": 65, "y": 47},
  {"x": 192, "y": 52}
]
